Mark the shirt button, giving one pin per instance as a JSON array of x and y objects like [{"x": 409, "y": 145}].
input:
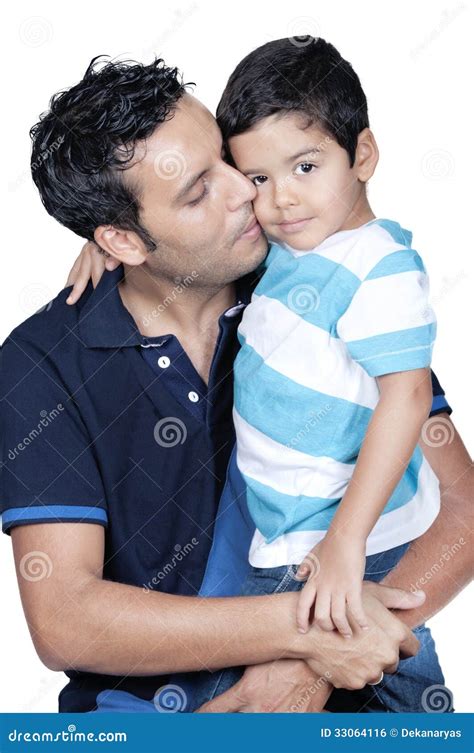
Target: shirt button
[
  {"x": 164, "y": 362},
  {"x": 193, "y": 396}
]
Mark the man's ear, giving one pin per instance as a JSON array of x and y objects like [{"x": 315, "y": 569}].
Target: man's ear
[
  {"x": 367, "y": 155},
  {"x": 123, "y": 245}
]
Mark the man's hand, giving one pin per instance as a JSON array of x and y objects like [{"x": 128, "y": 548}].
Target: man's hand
[
  {"x": 89, "y": 265},
  {"x": 297, "y": 686},
  {"x": 283, "y": 686}
]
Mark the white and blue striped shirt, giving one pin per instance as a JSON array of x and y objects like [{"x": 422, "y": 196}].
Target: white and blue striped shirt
[{"x": 321, "y": 326}]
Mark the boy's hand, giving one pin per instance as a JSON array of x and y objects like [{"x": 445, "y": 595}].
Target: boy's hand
[
  {"x": 334, "y": 585},
  {"x": 89, "y": 265}
]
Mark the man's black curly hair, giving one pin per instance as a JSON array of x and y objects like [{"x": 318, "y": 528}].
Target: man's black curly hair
[
  {"x": 296, "y": 75},
  {"x": 82, "y": 144}
]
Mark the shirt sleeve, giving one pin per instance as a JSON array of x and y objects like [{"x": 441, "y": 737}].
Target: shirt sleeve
[
  {"x": 389, "y": 324},
  {"x": 440, "y": 403},
  {"x": 48, "y": 472}
]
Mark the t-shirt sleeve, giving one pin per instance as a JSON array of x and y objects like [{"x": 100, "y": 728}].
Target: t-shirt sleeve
[
  {"x": 440, "y": 402},
  {"x": 389, "y": 325},
  {"x": 48, "y": 472}
]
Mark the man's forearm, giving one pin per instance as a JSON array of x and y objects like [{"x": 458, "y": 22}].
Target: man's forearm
[
  {"x": 440, "y": 562},
  {"x": 119, "y": 629}
]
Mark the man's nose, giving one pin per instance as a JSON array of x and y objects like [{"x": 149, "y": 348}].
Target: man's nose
[{"x": 242, "y": 191}]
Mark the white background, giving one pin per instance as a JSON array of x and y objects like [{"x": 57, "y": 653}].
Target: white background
[{"x": 413, "y": 61}]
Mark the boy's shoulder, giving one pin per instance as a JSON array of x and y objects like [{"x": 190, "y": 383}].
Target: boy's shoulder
[{"x": 361, "y": 250}]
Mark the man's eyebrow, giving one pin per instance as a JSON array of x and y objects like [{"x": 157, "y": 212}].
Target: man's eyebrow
[
  {"x": 302, "y": 153},
  {"x": 190, "y": 182}
]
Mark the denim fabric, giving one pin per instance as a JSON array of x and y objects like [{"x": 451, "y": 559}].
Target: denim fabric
[{"x": 403, "y": 691}]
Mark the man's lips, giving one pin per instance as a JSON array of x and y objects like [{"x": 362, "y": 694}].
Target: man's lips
[
  {"x": 293, "y": 226},
  {"x": 252, "y": 230}
]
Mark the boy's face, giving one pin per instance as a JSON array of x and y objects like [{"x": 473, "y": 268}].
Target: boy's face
[{"x": 306, "y": 189}]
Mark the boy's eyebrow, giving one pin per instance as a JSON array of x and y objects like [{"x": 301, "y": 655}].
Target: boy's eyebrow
[{"x": 302, "y": 153}]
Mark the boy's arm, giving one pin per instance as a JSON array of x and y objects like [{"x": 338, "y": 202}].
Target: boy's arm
[{"x": 391, "y": 438}]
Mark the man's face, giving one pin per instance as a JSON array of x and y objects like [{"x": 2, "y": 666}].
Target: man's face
[{"x": 196, "y": 206}]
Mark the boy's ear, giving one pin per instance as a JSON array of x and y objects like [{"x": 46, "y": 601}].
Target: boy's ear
[
  {"x": 367, "y": 155},
  {"x": 123, "y": 245}
]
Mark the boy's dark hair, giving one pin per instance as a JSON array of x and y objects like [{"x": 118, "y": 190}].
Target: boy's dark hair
[
  {"x": 296, "y": 76},
  {"x": 87, "y": 138}
]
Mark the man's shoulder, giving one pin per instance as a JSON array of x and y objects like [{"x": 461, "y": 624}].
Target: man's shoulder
[{"x": 52, "y": 324}]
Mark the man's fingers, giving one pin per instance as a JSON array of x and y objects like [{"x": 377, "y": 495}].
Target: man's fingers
[
  {"x": 409, "y": 647},
  {"x": 226, "y": 703},
  {"x": 397, "y": 598}
]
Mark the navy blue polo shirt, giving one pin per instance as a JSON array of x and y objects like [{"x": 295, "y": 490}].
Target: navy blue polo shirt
[{"x": 102, "y": 425}]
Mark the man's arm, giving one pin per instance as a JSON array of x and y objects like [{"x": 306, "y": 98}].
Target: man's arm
[
  {"x": 120, "y": 629},
  {"x": 441, "y": 562}
]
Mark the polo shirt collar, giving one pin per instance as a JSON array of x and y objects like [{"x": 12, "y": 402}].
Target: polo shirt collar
[{"x": 104, "y": 321}]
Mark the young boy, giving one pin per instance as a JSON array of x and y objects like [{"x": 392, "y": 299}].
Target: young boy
[{"x": 332, "y": 380}]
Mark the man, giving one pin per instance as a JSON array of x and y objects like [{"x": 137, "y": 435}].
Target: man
[{"x": 116, "y": 416}]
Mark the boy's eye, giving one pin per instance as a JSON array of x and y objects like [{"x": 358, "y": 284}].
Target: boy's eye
[
  {"x": 259, "y": 179},
  {"x": 305, "y": 168}
]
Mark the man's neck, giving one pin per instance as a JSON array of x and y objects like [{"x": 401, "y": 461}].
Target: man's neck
[{"x": 181, "y": 308}]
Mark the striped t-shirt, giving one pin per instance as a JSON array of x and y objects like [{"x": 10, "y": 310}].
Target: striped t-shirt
[{"x": 321, "y": 326}]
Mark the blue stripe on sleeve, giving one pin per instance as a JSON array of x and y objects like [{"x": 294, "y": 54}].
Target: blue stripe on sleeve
[{"x": 16, "y": 515}]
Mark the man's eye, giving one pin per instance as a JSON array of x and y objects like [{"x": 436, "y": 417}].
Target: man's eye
[
  {"x": 305, "y": 168},
  {"x": 259, "y": 180},
  {"x": 194, "y": 202}
]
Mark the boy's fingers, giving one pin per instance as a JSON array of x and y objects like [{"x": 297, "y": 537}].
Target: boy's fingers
[
  {"x": 98, "y": 267},
  {"x": 81, "y": 282},
  {"x": 322, "y": 615},
  {"x": 338, "y": 615},
  {"x": 354, "y": 604},
  {"x": 305, "y": 602}
]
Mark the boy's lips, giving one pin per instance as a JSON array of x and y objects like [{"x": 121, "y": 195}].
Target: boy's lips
[{"x": 294, "y": 226}]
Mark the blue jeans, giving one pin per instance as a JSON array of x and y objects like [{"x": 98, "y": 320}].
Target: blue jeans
[{"x": 400, "y": 692}]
